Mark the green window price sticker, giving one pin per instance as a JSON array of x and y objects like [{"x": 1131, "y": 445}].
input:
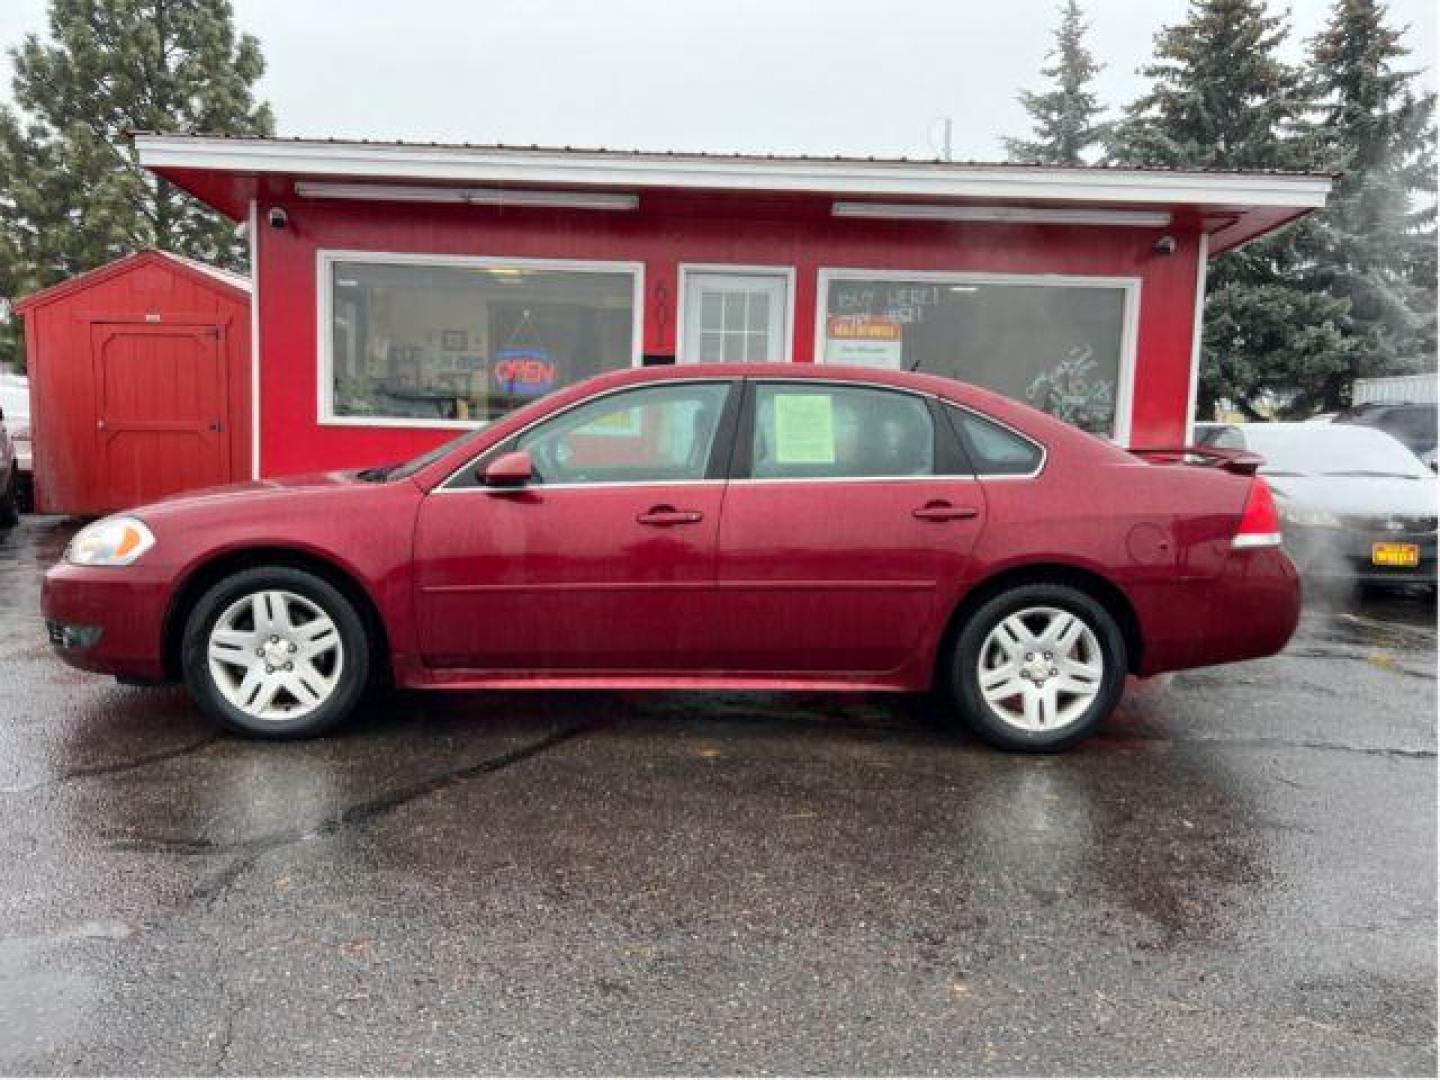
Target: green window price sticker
[{"x": 804, "y": 429}]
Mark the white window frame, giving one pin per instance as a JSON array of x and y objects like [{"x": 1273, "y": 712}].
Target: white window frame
[
  {"x": 786, "y": 273},
  {"x": 325, "y": 260},
  {"x": 1130, "y": 320}
]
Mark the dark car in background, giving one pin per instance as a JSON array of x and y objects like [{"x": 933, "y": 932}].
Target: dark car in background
[
  {"x": 1355, "y": 503},
  {"x": 9, "y": 478}
]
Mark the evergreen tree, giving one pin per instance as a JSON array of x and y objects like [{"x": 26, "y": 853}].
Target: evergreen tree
[
  {"x": 72, "y": 194},
  {"x": 1064, "y": 119},
  {"x": 1374, "y": 246},
  {"x": 1222, "y": 98}
]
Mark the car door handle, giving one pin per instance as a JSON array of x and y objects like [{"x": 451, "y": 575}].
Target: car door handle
[
  {"x": 943, "y": 511},
  {"x": 668, "y": 515}
]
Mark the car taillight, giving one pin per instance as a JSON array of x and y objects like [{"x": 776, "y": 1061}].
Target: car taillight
[{"x": 1260, "y": 521}]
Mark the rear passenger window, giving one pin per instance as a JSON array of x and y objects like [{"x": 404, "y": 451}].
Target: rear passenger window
[
  {"x": 994, "y": 450},
  {"x": 813, "y": 430}
]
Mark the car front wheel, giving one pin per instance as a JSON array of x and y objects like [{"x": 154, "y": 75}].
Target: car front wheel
[
  {"x": 275, "y": 653},
  {"x": 1038, "y": 667}
]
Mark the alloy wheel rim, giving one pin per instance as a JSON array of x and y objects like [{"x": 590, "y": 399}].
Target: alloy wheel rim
[
  {"x": 275, "y": 655},
  {"x": 1040, "y": 668}
]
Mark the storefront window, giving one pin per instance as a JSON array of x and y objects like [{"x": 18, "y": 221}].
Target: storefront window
[
  {"x": 441, "y": 343},
  {"x": 1058, "y": 347}
]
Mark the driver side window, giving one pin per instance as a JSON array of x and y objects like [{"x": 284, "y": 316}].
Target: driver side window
[{"x": 655, "y": 434}]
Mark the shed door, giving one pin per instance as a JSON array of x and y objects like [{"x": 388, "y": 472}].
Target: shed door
[{"x": 160, "y": 408}]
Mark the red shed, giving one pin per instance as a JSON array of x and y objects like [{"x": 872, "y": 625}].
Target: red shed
[
  {"x": 402, "y": 290},
  {"x": 139, "y": 382}
]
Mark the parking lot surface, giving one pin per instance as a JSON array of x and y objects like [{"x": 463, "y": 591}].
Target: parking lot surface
[{"x": 1237, "y": 875}]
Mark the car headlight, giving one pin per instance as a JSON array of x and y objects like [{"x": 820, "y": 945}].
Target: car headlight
[
  {"x": 1313, "y": 519},
  {"x": 112, "y": 541}
]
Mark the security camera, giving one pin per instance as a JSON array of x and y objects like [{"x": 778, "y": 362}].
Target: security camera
[
  {"x": 277, "y": 217},
  {"x": 1164, "y": 246}
]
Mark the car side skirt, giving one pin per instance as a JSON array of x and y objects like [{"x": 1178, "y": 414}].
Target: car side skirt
[{"x": 463, "y": 679}]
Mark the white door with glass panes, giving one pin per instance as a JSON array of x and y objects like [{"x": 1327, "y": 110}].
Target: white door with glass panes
[{"x": 735, "y": 317}]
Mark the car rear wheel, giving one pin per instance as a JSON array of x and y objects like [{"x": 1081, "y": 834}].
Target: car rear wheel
[
  {"x": 275, "y": 653},
  {"x": 1037, "y": 667}
]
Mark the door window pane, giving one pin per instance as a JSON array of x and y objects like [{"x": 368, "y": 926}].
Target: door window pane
[
  {"x": 429, "y": 343},
  {"x": 1056, "y": 347},
  {"x": 815, "y": 430},
  {"x": 656, "y": 434}
]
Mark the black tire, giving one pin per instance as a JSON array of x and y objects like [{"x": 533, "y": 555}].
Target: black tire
[
  {"x": 350, "y": 681},
  {"x": 964, "y": 673},
  {"x": 10, "y": 501}
]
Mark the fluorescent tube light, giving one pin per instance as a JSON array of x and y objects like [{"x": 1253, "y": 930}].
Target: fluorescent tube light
[
  {"x": 1019, "y": 215},
  {"x": 571, "y": 200}
]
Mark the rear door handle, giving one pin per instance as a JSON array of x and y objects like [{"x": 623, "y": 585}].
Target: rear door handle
[
  {"x": 943, "y": 511},
  {"x": 668, "y": 515}
]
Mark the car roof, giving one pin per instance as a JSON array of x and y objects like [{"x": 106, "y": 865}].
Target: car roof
[
  {"x": 784, "y": 369},
  {"x": 1298, "y": 431}
]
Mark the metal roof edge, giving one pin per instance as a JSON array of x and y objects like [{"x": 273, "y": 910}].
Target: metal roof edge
[{"x": 640, "y": 169}]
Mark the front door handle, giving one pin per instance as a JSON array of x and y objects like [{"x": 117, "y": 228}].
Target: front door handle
[
  {"x": 943, "y": 511},
  {"x": 668, "y": 515}
]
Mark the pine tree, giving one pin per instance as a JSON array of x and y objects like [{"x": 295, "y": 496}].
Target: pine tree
[
  {"x": 1222, "y": 98},
  {"x": 1064, "y": 119},
  {"x": 1374, "y": 246},
  {"x": 72, "y": 193}
]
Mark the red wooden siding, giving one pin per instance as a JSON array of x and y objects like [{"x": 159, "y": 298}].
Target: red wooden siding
[
  {"x": 132, "y": 368},
  {"x": 674, "y": 228}
]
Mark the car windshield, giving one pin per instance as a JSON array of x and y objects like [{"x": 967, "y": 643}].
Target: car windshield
[
  {"x": 1331, "y": 450},
  {"x": 415, "y": 464}
]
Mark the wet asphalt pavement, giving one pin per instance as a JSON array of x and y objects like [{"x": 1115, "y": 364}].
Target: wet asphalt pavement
[{"x": 1237, "y": 876}]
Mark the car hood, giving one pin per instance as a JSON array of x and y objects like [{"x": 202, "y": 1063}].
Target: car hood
[
  {"x": 280, "y": 485},
  {"x": 1361, "y": 496}
]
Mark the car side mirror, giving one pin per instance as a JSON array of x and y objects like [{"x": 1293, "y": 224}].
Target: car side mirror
[{"x": 511, "y": 470}]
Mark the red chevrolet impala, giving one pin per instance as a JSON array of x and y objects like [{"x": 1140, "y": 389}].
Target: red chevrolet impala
[{"x": 729, "y": 527}]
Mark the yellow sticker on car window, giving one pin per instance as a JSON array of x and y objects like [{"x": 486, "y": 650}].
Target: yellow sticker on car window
[
  {"x": 804, "y": 429},
  {"x": 620, "y": 422}
]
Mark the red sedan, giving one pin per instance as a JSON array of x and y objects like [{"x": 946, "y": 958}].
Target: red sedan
[{"x": 701, "y": 527}]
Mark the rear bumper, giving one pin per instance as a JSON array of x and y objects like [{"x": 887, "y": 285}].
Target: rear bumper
[
  {"x": 108, "y": 620},
  {"x": 1250, "y": 610}
]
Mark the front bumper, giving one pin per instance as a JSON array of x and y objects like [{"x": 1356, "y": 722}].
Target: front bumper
[{"x": 107, "y": 619}]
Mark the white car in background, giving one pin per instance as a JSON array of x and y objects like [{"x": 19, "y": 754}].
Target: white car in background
[
  {"x": 15, "y": 404},
  {"x": 1355, "y": 503}
]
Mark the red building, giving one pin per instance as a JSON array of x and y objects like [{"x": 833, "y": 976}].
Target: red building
[
  {"x": 139, "y": 382},
  {"x": 402, "y": 290}
]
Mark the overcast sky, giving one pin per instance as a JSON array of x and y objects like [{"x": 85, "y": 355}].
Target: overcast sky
[{"x": 838, "y": 76}]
